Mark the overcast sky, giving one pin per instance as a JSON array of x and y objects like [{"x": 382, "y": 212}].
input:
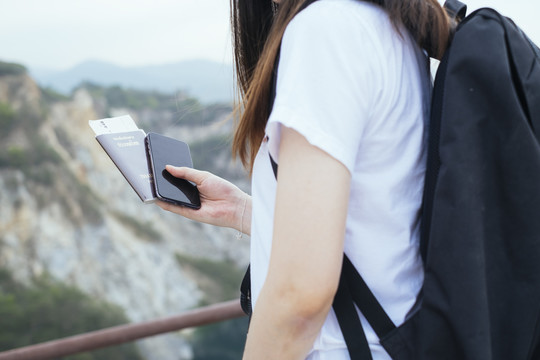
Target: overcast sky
[{"x": 59, "y": 34}]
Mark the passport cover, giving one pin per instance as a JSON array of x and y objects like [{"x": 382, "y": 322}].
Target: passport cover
[{"x": 128, "y": 152}]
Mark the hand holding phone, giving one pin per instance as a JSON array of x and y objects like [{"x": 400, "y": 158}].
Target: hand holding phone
[{"x": 162, "y": 151}]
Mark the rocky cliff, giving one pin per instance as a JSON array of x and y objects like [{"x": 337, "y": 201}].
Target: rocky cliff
[{"x": 67, "y": 211}]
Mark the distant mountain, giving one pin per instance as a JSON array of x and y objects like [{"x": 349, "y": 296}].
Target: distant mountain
[{"x": 207, "y": 81}]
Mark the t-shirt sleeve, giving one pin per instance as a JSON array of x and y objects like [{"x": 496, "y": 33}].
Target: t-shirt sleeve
[{"x": 325, "y": 83}]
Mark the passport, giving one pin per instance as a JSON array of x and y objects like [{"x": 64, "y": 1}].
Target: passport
[{"x": 124, "y": 143}]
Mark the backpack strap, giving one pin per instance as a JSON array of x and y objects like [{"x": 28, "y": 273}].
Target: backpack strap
[
  {"x": 365, "y": 300},
  {"x": 245, "y": 293},
  {"x": 274, "y": 166},
  {"x": 349, "y": 321},
  {"x": 455, "y": 9}
]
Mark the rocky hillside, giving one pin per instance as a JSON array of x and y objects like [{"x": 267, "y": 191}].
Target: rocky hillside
[{"x": 66, "y": 211}]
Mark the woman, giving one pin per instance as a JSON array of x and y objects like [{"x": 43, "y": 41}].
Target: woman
[{"x": 347, "y": 130}]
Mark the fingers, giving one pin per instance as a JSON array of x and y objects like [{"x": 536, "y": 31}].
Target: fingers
[
  {"x": 188, "y": 213},
  {"x": 165, "y": 205},
  {"x": 187, "y": 173},
  {"x": 180, "y": 210}
]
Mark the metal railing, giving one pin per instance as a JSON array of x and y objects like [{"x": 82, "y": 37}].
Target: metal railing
[{"x": 125, "y": 333}]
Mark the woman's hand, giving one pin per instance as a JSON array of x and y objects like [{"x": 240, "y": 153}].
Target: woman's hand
[{"x": 222, "y": 203}]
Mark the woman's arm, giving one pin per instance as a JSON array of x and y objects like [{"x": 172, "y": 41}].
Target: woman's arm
[
  {"x": 307, "y": 251},
  {"x": 222, "y": 203}
]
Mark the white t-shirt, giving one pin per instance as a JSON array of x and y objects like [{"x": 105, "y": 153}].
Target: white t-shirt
[{"x": 354, "y": 87}]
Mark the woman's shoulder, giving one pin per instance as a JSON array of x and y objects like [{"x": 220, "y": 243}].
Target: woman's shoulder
[
  {"x": 336, "y": 11},
  {"x": 354, "y": 22}
]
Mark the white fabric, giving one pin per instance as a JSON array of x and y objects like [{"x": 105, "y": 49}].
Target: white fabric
[{"x": 359, "y": 91}]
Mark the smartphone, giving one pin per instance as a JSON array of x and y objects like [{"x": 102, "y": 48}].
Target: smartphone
[{"x": 162, "y": 150}]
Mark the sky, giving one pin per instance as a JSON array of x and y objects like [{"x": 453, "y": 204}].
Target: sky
[{"x": 59, "y": 34}]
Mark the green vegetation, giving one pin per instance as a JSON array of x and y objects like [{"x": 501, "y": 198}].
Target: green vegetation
[
  {"x": 50, "y": 95},
  {"x": 42, "y": 165},
  {"x": 145, "y": 229},
  {"x": 18, "y": 156},
  {"x": 48, "y": 310},
  {"x": 7, "y": 118},
  {"x": 219, "y": 280},
  {"x": 82, "y": 195},
  {"x": 11, "y": 185},
  {"x": 43, "y": 175},
  {"x": 117, "y": 96},
  {"x": 190, "y": 112},
  {"x": 205, "y": 151},
  {"x": 222, "y": 341},
  {"x": 186, "y": 110},
  {"x": 22, "y": 158},
  {"x": 65, "y": 141},
  {"x": 7, "y": 68},
  {"x": 29, "y": 118}
]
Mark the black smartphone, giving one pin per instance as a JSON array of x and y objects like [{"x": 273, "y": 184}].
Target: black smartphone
[{"x": 163, "y": 150}]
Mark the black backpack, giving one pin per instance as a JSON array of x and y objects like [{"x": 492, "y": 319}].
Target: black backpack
[{"x": 480, "y": 238}]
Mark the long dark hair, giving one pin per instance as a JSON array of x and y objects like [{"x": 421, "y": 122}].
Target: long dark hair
[{"x": 257, "y": 30}]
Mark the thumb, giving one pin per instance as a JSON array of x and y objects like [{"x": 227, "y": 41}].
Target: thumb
[{"x": 187, "y": 173}]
